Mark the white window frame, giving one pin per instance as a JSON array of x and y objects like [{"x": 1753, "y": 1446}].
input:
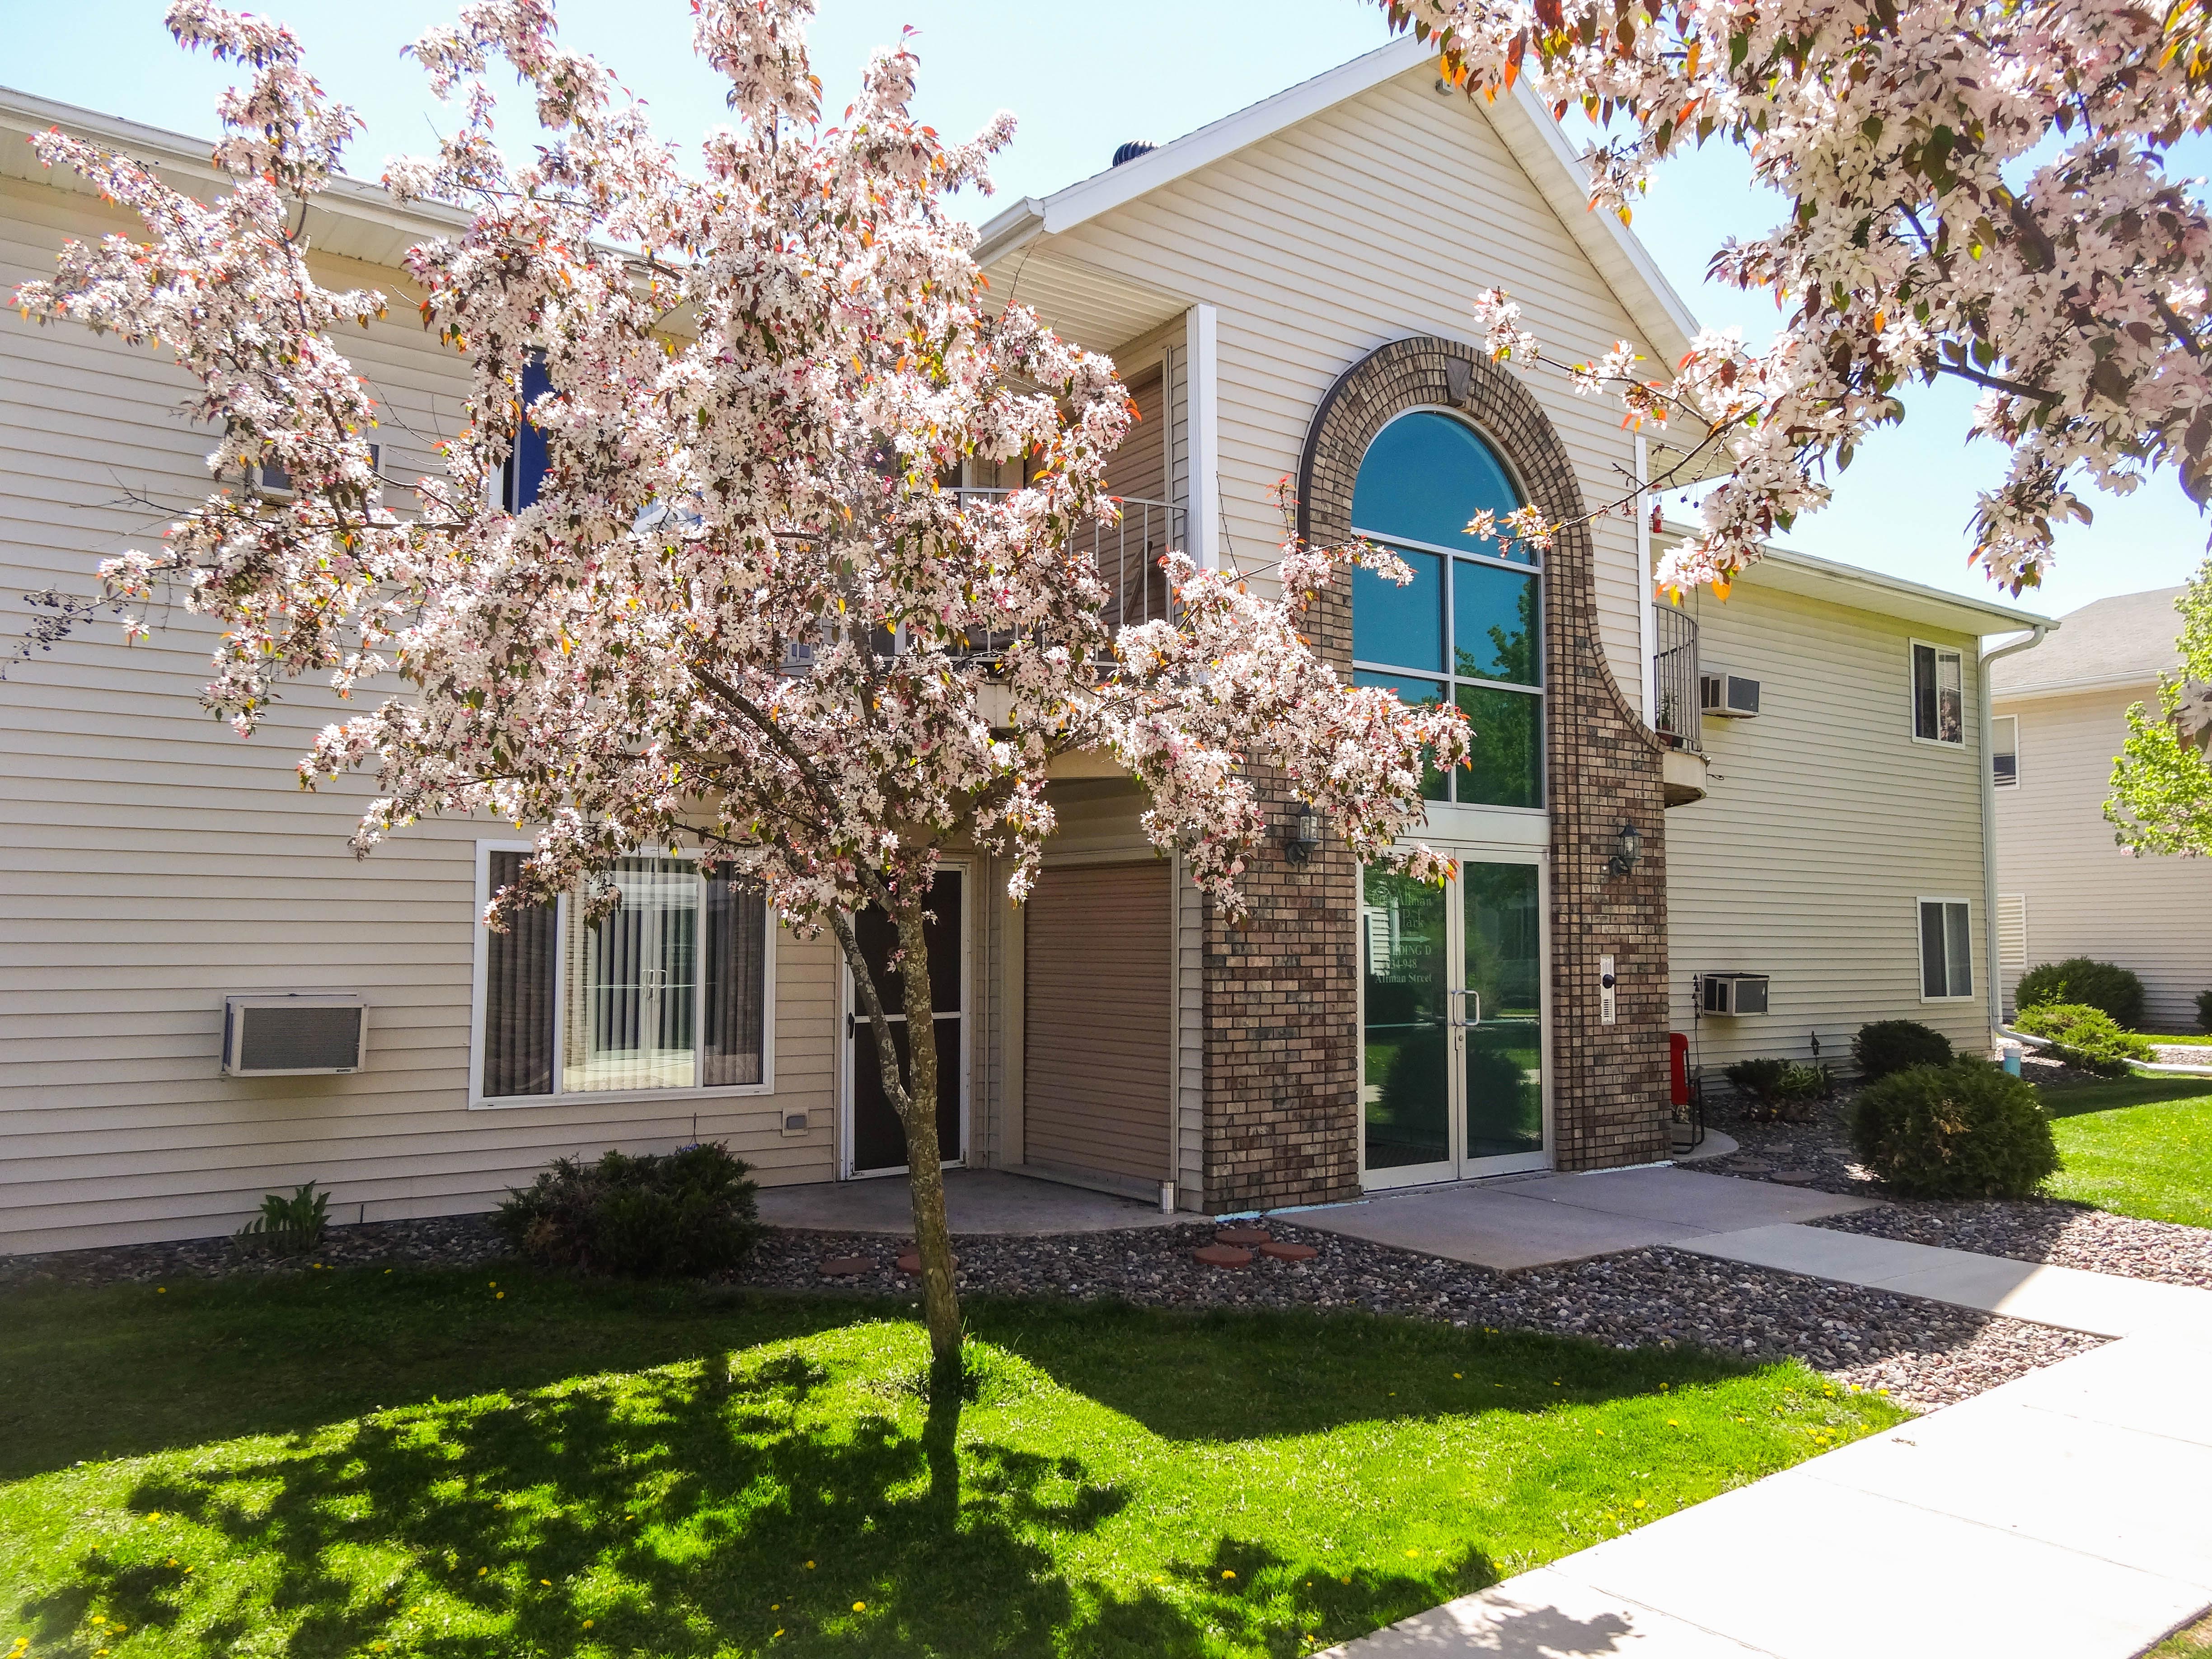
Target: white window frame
[
  {"x": 1997, "y": 723},
  {"x": 1920, "y": 949},
  {"x": 481, "y": 973},
  {"x": 1912, "y": 695}
]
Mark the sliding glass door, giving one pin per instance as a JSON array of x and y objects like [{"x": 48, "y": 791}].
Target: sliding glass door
[{"x": 1452, "y": 1049}]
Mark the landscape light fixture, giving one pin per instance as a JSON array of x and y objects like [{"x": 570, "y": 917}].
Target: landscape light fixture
[{"x": 1304, "y": 836}]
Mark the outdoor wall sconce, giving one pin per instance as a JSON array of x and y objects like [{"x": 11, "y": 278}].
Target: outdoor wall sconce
[
  {"x": 1632, "y": 849},
  {"x": 1302, "y": 835}
]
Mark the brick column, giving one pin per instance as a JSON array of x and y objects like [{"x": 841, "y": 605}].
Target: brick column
[{"x": 1282, "y": 1113}]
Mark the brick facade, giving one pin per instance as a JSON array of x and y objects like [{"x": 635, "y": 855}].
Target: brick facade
[{"x": 1282, "y": 1113}]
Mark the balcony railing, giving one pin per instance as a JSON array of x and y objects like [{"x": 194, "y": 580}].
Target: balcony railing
[
  {"x": 1129, "y": 556},
  {"x": 1675, "y": 712}
]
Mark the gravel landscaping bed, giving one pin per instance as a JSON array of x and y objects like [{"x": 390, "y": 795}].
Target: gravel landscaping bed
[
  {"x": 1924, "y": 1353},
  {"x": 450, "y": 1240},
  {"x": 2044, "y": 1230},
  {"x": 2066, "y": 1235}
]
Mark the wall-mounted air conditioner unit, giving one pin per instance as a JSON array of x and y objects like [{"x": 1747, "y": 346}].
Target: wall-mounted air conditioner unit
[
  {"x": 1728, "y": 697},
  {"x": 1732, "y": 994},
  {"x": 293, "y": 1035}
]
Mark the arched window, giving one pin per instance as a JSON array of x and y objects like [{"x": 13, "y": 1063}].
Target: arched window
[{"x": 1470, "y": 625}]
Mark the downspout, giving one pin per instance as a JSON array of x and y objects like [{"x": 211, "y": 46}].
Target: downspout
[
  {"x": 1647, "y": 624},
  {"x": 1990, "y": 822}
]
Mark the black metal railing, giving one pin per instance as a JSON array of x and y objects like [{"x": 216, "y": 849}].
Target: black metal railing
[
  {"x": 1128, "y": 555},
  {"x": 1676, "y": 710}
]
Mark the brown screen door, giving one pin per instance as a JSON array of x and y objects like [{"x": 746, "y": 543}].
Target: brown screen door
[{"x": 878, "y": 1141}]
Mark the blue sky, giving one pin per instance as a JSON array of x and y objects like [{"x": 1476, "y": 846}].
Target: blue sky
[{"x": 1081, "y": 78}]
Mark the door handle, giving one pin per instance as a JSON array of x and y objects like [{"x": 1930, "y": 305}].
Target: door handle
[{"x": 851, "y": 1026}]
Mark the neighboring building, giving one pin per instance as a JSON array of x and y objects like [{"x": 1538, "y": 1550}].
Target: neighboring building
[
  {"x": 1839, "y": 847},
  {"x": 2066, "y": 888},
  {"x": 1287, "y": 292}
]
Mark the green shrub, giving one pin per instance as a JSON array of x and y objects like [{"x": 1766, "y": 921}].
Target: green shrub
[
  {"x": 1884, "y": 1046},
  {"x": 2079, "y": 979},
  {"x": 2204, "y": 1011},
  {"x": 1964, "y": 1130},
  {"x": 1777, "y": 1090},
  {"x": 2084, "y": 1037},
  {"x": 665, "y": 1215},
  {"x": 288, "y": 1226}
]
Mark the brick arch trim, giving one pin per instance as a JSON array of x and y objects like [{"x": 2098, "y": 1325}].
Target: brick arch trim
[{"x": 1603, "y": 764}]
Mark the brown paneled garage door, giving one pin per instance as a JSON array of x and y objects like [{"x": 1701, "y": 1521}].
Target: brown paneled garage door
[{"x": 1097, "y": 1033}]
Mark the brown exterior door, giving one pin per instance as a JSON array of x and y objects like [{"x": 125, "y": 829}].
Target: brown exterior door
[
  {"x": 1097, "y": 1064},
  {"x": 878, "y": 1139}
]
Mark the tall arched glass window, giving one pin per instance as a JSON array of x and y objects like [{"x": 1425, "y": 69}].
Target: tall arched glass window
[{"x": 1469, "y": 627}]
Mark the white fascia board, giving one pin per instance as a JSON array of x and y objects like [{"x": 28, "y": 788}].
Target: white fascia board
[
  {"x": 349, "y": 198},
  {"x": 1103, "y": 191},
  {"x": 1010, "y": 230},
  {"x": 1526, "y": 126},
  {"x": 1520, "y": 119},
  {"x": 1869, "y": 589}
]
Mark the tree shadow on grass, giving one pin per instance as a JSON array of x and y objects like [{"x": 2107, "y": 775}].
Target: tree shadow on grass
[
  {"x": 127, "y": 1370},
  {"x": 1236, "y": 1375},
  {"x": 695, "y": 1510}
]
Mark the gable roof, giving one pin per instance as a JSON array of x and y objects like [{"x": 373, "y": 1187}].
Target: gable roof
[
  {"x": 1522, "y": 122},
  {"x": 350, "y": 218},
  {"x": 2128, "y": 640},
  {"x": 1858, "y": 588}
]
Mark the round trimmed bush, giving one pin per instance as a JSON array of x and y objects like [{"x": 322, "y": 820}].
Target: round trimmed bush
[
  {"x": 2085, "y": 1038},
  {"x": 2204, "y": 1011},
  {"x": 1884, "y": 1046},
  {"x": 685, "y": 1213},
  {"x": 2083, "y": 980},
  {"x": 1964, "y": 1130}
]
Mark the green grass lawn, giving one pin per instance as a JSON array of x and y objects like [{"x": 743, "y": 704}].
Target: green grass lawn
[
  {"x": 2200, "y": 1040},
  {"x": 360, "y": 1463},
  {"x": 2141, "y": 1146}
]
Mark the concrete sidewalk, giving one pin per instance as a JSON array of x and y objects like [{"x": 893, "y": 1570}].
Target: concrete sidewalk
[
  {"x": 2059, "y": 1516},
  {"x": 1534, "y": 1221}
]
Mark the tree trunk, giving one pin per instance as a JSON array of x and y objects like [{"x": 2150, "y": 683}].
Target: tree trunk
[
  {"x": 916, "y": 1104},
  {"x": 933, "y": 1236}
]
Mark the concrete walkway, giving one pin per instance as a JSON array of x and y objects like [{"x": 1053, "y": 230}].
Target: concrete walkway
[
  {"x": 2062, "y": 1515},
  {"x": 976, "y": 1201},
  {"x": 1533, "y": 1221}
]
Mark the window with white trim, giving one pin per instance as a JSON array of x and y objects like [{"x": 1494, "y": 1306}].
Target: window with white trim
[
  {"x": 1939, "y": 695},
  {"x": 667, "y": 993},
  {"x": 1946, "y": 950},
  {"x": 2004, "y": 751}
]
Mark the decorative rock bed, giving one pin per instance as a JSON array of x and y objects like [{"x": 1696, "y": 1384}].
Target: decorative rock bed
[
  {"x": 1923, "y": 1353},
  {"x": 2054, "y": 1230}
]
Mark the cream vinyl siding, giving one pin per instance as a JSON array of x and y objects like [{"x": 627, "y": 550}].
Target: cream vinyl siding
[
  {"x": 1100, "y": 1022},
  {"x": 1825, "y": 824},
  {"x": 154, "y": 862},
  {"x": 2085, "y": 896},
  {"x": 1374, "y": 220}
]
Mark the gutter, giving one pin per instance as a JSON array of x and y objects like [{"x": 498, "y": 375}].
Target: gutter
[
  {"x": 1017, "y": 226},
  {"x": 2037, "y": 630}
]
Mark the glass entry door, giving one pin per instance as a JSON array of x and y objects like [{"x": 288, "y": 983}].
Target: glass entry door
[{"x": 1452, "y": 1070}]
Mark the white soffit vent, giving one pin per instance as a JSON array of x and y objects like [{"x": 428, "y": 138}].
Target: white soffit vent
[
  {"x": 1730, "y": 696},
  {"x": 293, "y": 1035}
]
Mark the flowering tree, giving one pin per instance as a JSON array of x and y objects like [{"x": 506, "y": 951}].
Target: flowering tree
[
  {"x": 1977, "y": 190},
  {"x": 2161, "y": 799},
  {"x": 743, "y": 611}
]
